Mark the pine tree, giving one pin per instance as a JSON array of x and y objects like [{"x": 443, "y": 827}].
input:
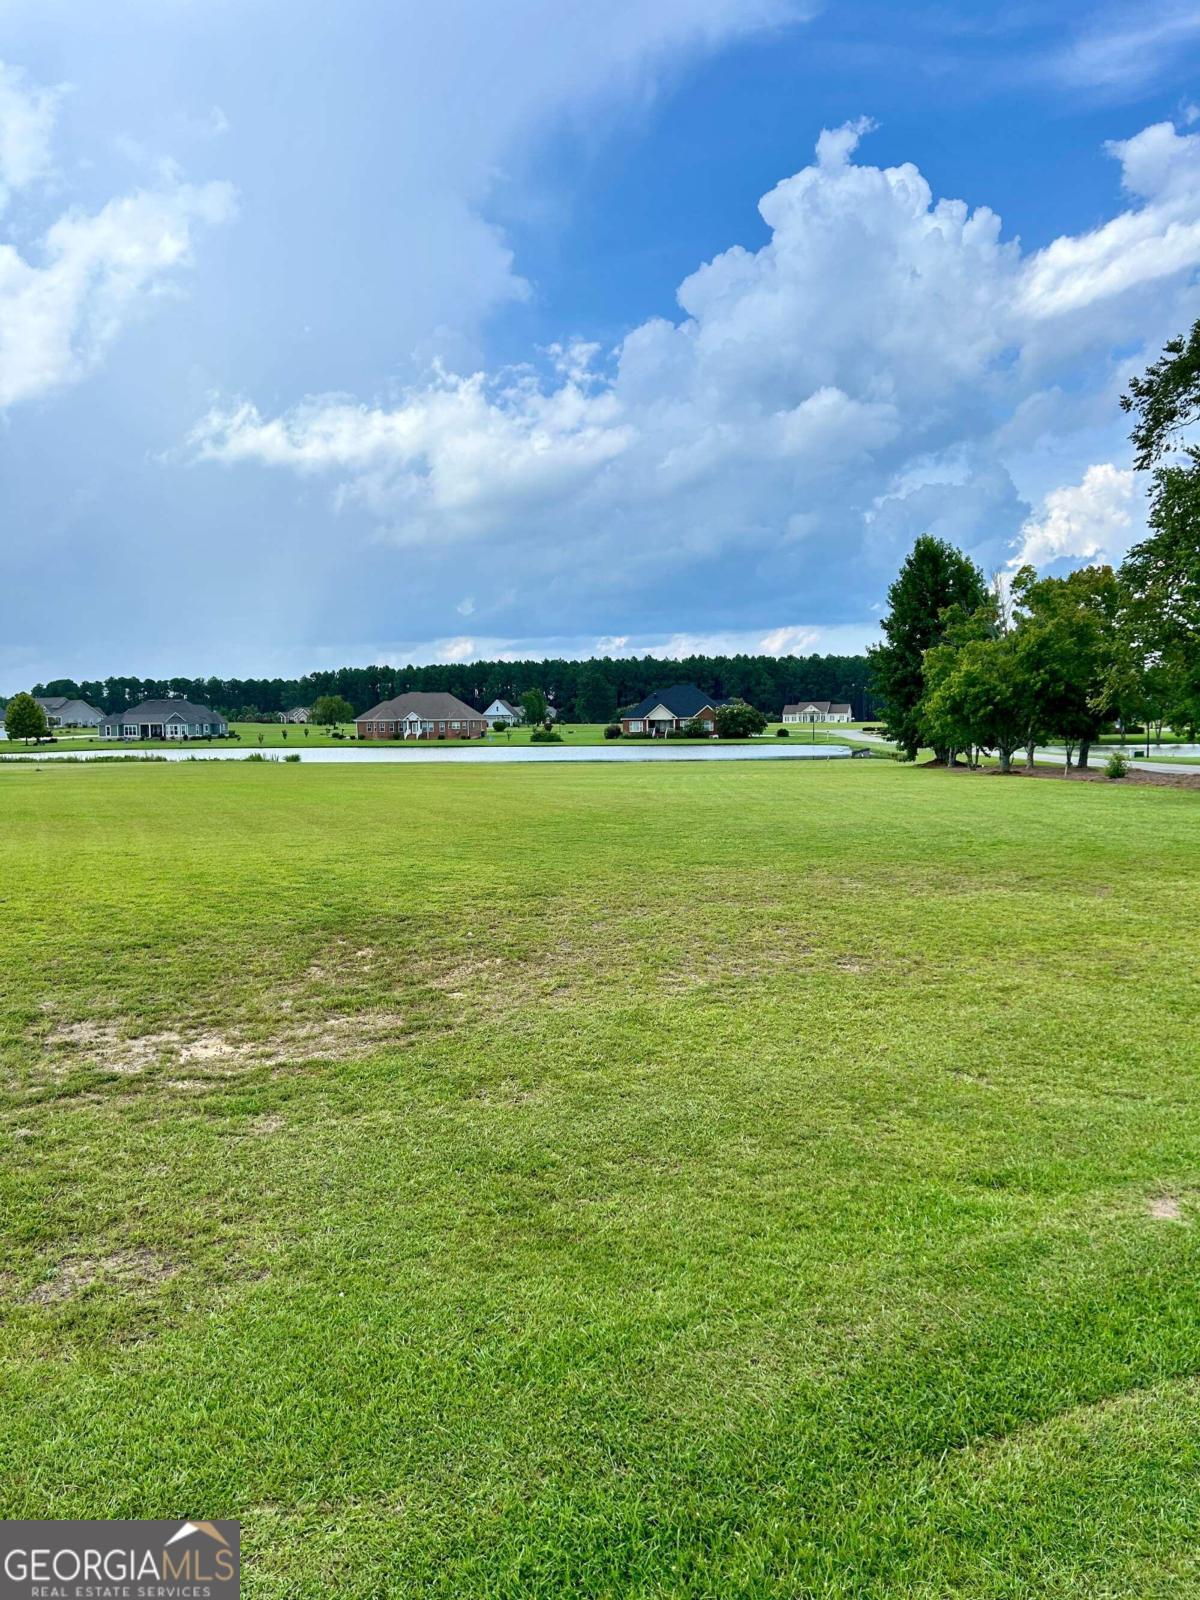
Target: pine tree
[{"x": 935, "y": 577}]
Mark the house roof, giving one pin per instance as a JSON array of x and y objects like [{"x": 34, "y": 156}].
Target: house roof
[
  {"x": 429, "y": 707},
  {"x": 826, "y": 706},
  {"x": 160, "y": 710},
  {"x": 681, "y": 700},
  {"x": 62, "y": 702},
  {"x": 508, "y": 707}
]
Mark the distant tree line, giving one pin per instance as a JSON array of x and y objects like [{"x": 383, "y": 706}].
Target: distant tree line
[
  {"x": 965, "y": 666},
  {"x": 579, "y": 691}
]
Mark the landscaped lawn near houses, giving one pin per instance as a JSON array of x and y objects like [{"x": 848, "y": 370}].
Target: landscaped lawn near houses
[{"x": 733, "y": 1180}]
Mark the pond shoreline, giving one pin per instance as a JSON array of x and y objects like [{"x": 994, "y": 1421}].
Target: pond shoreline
[{"x": 518, "y": 755}]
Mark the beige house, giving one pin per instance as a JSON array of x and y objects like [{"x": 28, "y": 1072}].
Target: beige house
[{"x": 817, "y": 711}]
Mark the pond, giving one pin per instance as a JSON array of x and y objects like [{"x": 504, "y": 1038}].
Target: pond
[{"x": 469, "y": 755}]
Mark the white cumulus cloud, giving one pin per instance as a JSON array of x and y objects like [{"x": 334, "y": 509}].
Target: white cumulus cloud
[
  {"x": 62, "y": 304},
  {"x": 27, "y": 113},
  {"x": 58, "y": 314},
  {"x": 1089, "y": 521},
  {"x": 818, "y": 403}
]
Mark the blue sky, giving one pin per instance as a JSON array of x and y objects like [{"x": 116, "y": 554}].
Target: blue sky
[{"x": 389, "y": 332}]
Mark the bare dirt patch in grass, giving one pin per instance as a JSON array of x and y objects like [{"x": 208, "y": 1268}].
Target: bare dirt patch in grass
[
  {"x": 212, "y": 1055},
  {"x": 126, "y": 1267},
  {"x": 1165, "y": 1208},
  {"x": 506, "y": 1093}
]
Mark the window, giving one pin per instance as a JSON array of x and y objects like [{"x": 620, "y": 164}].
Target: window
[
  {"x": 454, "y": 727},
  {"x": 635, "y": 726}
]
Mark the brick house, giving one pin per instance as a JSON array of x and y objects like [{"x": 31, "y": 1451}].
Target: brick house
[
  {"x": 421, "y": 716},
  {"x": 669, "y": 710}
]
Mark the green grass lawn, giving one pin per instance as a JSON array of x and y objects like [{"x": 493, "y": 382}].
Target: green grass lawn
[{"x": 775, "y": 1180}]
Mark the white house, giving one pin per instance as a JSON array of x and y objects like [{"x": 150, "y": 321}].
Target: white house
[
  {"x": 501, "y": 711},
  {"x": 296, "y": 714},
  {"x": 816, "y": 711},
  {"x": 64, "y": 712}
]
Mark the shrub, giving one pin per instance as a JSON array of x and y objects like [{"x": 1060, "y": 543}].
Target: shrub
[
  {"x": 292, "y": 756},
  {"x": 1116, "y": 766},
  {"x": 255, "y": 755},
  {"x": 544, "y": 736},
  {"x": 783, "y": 733},
  {"x": 738, "y": 720},
  {"x": 613, "y": 730}
]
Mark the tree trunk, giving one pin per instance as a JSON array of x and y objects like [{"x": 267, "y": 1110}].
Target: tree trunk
[
  {"x": 1070, "y": 751},
  {"x": 1005, "y": 759},
  {"x": 1085, "y": 746},
  {"x": 1029, "y": 749}
]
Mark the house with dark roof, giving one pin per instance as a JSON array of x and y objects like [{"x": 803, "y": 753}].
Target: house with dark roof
[
  {"x": 669, "y": 710},
  {"x": 164, "y": 719},
  {"x": 421, "y": 716},
  {"x": 817, "y": 711},
  {"x": 64, "y": 712}
]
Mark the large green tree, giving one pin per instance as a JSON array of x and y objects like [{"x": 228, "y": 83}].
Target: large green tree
[
  {"x": 981, "y": 687},
  {"x": 25, "y": 719},
  {"x": 330, "y": 709},
  {"x": 934, "y": 579},
  {"x": 536, "y": 708},
  {"x": 1071, "y": 641},
  {"x": 1161, "y": 574}
]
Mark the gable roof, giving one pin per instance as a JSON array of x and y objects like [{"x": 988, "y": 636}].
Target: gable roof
[
  {"x": 681, "y": 700},
  {"x": 429, "y": 707},
  {"x": 62, "y": 702},
  {"x": 163, "y": 710},
  {"x": 509, "y": 710},
  {"x": 825, "y": 706}
]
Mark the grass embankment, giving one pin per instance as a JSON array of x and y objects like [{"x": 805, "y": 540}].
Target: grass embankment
[
  {"x": 747, "y": 1181},
  {"x": 277, "y": 736}
]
